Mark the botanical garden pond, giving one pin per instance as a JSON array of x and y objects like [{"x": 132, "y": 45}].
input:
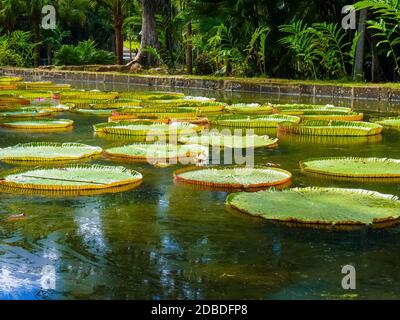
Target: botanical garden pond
[{"x": 170, "y": 241}]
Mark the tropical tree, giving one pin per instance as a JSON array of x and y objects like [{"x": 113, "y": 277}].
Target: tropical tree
[
  {"x": 149, "y": 35},
  {"x": 35, "y": 9},
  {"x": 385, "y": 27},
  {"x": 117, "y": 8},
  {"x": 9, "y": 12},
  {"x": 53, "y": 39}
]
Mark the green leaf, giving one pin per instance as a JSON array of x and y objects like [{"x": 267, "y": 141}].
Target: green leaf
[{"x": 319, "y": 206}]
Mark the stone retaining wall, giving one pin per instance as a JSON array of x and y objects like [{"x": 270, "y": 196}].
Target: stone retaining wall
[{"x": 267, "y": 86}]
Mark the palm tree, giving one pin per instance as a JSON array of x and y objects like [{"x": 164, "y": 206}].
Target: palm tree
[{"x": 9, "y": 10}]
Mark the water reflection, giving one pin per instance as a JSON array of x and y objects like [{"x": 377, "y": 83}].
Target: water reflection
[{"x": 163, "y": 240}]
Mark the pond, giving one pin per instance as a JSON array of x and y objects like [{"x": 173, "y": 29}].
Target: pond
[{"x": 169, "y": 241}]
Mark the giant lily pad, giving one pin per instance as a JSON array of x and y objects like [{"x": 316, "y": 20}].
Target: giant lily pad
[
  {"x": 44, "y": 85},
  {"x": 41, "y": 124},
  {"x": 94, "y": 112},
  {"x": 30, "y": 95},
  {"x": 390, "y": 123},
  {"x": 319, "y": 112},
  {"x": 354, "y": 167},
  {"x": 48, "y": 104},
  {"x": 159, "y": 112},
  {"x": 151, "y": 95},
  {"x": 267, "y": 121},
  {"x": 299, "y": 109},
  {"x": 351, "y": 116},
  {"x": 48, "y": 151},
  {"x": 234, "y": 177},
  {"x": 327, "y": 140},
  {"x": 86, "y": 95},
  {"x": 230, "y": 141},
  {"x": 327, "y": 206},
  {"x": 10, "y": 79},
  {"x": 115, "y": 104},
  {"x": 25, "y": 113},
  {"x": 249, "y": 108},
  {"x": 146, "y": 128},
  {"x": 200, "y": 106},
  {"x": 158, "y": 151},
  {"x": 332, "y": 128},
  {"x": 193, "y": 120},
  {"x": 4, "y": 86},
  {"x": 83, "y": 177},
  {"x": 198, "y": 98},
  {"x": 134, "y": 118}
]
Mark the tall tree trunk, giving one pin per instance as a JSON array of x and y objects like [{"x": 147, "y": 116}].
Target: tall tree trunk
[
  {"x": 49, "y": 57},
  {"x": 36, "y": 14},
  {"x": 119, "y": 42},
  {"x": 169, "y": 41},
  {"x": 359, "y": 60},
  {"x": 148, "y": 33},
  {"x": 189, "y": 50},
  {"x": 376, "y": 71}
]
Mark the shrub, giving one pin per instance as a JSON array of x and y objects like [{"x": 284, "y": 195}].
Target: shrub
[
  {"x": 16, "y": 49},
  {"x": 203, "y": 64},
  {"x": 85, "y": 52}
]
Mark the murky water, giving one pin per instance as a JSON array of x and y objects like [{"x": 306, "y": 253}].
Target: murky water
[{"x": 167, "y": 241}]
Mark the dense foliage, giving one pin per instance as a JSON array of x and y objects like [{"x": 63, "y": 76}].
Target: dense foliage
[
  {"x": 84, "y": 52},
  {"x": 16, "y": 49},
  {"x": 285, "y": 38}
]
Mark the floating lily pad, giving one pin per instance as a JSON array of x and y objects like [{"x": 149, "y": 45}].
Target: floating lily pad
[
  {"x": 159, "y": 112},
  {"x": 230, "y": 141},
  {"x": 327, "y": 140},
  {"x": 319, "y": 112},
  {"x": 299, "y": 109},
  {"x": 86, "y": 95},
  {"x": 390, "y": 123},
  {"x": 193, "y": 120},
  {"x": 267, "y": 121},
  {"x": 249, "y": 108},
  {"x": 234, "y": 177},
  {"x": 39, "y": 124},
  {"x": 351, "y": 116},
  {"x": 198, "y": 98},
  {"x": 135, "y": 118},
  {"x": 157, "y": 151},
  {"x": 83, "y": 177},
  {"x": 9, "y": 86},
  {"x": 200, "y": 106},
  {"x": 146, "y": 128},
  {"x": 66, "y": 193},
  {"x": 94, "y": 112},
  {"x": 327, "y": 206},
  {"x": 10, "y": 79},
  {"x": 30, "y": 95},
  {"x": 43, "y": 85},
  {"x": 25, "y": 113},
  {"x": 354, "y": 167},
  {"x": 151, "y": 95},
  {"x": 12, "y": 102},
  {"x": 48, "y": 151},
  {"x": 332, "y": 128},
  {"x": 115, "y": 104}
]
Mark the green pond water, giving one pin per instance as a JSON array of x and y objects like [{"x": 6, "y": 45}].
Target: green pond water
[{"x": 168, "y": 241}]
